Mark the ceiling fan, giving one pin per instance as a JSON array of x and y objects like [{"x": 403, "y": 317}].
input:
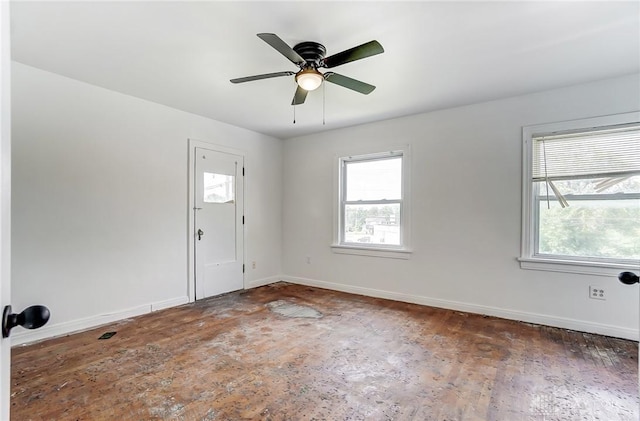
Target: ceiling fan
[{"x": 309, "y": 56}]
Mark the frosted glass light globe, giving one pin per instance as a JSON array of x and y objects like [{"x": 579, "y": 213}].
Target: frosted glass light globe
[{"x": 309, "y": 79}]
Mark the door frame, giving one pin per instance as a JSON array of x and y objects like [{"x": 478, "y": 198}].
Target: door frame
[
  {"x": 191, "y": 228},
  {"x": 5, "y": 201}
]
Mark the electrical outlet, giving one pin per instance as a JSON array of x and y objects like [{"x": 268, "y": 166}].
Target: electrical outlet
[
  {"x": 597, "y": 293},
  {"x": 308, "y": 260},
  {"x": 253, "y": 265}
]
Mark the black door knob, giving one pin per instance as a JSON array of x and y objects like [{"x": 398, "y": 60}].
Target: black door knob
[
  {"x": 31, "y": 318},
  {"x": 628, "y": 278}
]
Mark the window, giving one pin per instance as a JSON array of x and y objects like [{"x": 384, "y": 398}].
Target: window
[
  {"x": 372, "y": 204},
  {"x": 582, "y": 195}
]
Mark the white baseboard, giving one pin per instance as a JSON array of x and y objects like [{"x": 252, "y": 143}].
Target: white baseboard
[
  {"x": 23, "y": 336},
  {"x": 172, "y": 302},
  {"x": 565, "y": 323},
  {"x": 264, "y": 281}
]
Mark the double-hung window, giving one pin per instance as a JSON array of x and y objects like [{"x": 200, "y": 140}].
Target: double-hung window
[
  {"x": 581, "y": 202},
  {"x": 372, "y": 211}
]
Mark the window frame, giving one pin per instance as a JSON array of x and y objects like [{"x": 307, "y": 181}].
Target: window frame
[
  {"x": 557, "y": 263},
  {"x": 402, "y": 251}
]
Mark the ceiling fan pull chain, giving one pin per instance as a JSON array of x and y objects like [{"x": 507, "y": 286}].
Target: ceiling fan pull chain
[{"x": 294, "y": 114}]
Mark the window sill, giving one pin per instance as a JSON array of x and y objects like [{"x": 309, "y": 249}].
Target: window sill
[
  {"x": 372, "y": 251},
  {"x": 573, "y": 266}
]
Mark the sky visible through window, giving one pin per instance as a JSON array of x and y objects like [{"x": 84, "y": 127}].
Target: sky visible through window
[{"x": 375, "y": 180}]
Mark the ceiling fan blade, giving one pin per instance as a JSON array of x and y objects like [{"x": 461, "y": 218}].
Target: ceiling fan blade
[
  {"x": 299, "y": 96},
  {"x": 347, "y": 82},
  {"x": 283, "y": 48},
  {"x": 368, "y": 49},
  {"x": 264, "y": 76}
]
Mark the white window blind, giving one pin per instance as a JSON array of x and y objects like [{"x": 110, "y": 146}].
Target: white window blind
[
  {"x": 612, "y": 153},
  {"x": 607, "y": 152}
]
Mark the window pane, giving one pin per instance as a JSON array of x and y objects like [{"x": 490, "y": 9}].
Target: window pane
[
  {"x": 374, "y": 180},
  {"x": 597, "y": 223},
  {"x": 372, "y": 224},
  {"x": 218, "y": 188}
]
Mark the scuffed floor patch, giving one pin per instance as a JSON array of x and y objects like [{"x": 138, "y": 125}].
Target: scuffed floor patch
[{"x": 287, "y": 309}]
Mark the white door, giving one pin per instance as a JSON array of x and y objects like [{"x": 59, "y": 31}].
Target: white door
[
  {"x": 218, "y": 220},
  {"x": 5, "y": 202}
]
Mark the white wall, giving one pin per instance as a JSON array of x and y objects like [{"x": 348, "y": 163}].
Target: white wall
[
  {"x": 466, "y": 172},
  {"x": 100, "y": 201},
  {"x": 100, "y": 207}
]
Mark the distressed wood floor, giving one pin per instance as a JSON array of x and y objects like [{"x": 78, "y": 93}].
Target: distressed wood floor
[{"x": 289, "y": 352}]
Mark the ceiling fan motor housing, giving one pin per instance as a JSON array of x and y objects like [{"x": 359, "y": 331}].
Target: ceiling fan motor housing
[{"x": 312, "y": 52}]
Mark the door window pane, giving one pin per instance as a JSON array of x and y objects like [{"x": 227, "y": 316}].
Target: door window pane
[{"x": 218, "y": 188}]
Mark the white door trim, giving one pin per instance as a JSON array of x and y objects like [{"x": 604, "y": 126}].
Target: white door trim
[
  {"x": 192, "y": 145},
  {"x": 5, "y": 202}
]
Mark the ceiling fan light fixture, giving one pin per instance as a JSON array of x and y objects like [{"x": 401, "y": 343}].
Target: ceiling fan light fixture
[{"x": 309, "y": 79}]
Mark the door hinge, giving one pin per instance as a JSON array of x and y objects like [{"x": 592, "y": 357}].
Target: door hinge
[
  {"x": 242, "y": 219},
  {"x": 243, "y": 268}
]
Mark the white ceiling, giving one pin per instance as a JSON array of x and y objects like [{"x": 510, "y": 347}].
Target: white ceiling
[{"x": 437, "y": 54}]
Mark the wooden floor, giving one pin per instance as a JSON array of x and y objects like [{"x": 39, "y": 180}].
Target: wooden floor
[{"x": 288, "y": 352}]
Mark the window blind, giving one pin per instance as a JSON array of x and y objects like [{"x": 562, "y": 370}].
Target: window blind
[{"x": 604, "y": 152}]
